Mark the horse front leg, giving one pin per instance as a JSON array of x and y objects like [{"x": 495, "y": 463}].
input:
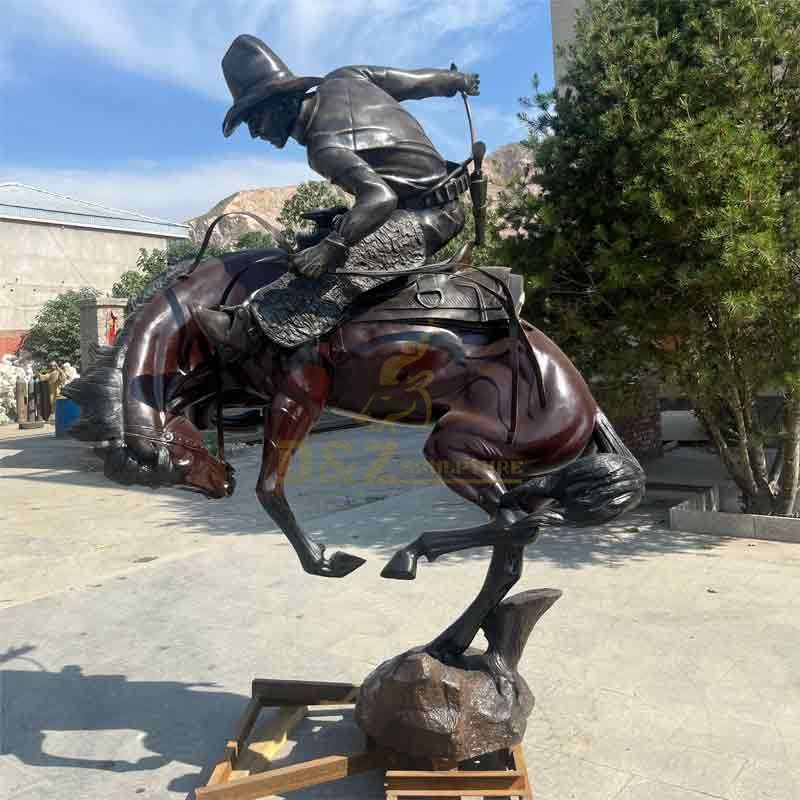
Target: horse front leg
[{"x": 286, "y": 424}]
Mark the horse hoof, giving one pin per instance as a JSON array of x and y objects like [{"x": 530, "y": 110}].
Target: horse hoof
[
  {"x": 445, "y": 652},
  {"x": 230, "y": 485},
  {"x": 402, "y": 567},
  {"x": 339, "y": 565},
  {"x": 526, "y": 531}
]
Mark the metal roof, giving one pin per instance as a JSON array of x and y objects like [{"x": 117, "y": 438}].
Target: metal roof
[{"x": 22, "y": 202}]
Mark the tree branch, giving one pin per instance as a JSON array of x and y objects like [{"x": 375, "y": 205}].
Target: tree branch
[
  {"x": 791, "y": 454},
  {"x": 722, "y": 448}
]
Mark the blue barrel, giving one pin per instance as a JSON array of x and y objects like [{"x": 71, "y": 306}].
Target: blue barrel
[{"x": 67, "y": 414}]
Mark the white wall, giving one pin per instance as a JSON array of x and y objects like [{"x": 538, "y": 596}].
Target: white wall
[
  {"x": 39, "y": 261},
  {"x": 562, "y": 15}
]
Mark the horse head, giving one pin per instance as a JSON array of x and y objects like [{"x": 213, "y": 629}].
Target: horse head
[{"x": 146, "y": 400}]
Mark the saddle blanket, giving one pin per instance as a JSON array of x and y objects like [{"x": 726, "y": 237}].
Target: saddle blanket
[{"x": 293, "y": 309}]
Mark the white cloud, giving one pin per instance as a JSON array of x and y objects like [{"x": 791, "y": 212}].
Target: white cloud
[
  {"x": 183, "y": 41},
  {"x": 172, "y": 192}
]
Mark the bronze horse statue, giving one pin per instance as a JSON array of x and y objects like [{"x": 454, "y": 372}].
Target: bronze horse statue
[{"x": 515, "y": 429}]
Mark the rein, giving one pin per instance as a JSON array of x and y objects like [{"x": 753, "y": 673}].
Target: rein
[{"x": 210, "y": 230}]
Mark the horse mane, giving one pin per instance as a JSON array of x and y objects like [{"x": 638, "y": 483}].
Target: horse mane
[{"x": 99, "y": 392}]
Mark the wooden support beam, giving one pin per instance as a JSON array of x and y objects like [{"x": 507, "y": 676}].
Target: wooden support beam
[
  {"x": 245, "y": 773},
  {"x": 455, "y": 783},
  {"x": 220, "y": 774},
  {"x": 296, "y": 776},
  {"x": 245, "y": 726},
  {"x": 303, "y": 693},
  {"x": 267, "y": 741},
  {"x": 521, "y": 766}
]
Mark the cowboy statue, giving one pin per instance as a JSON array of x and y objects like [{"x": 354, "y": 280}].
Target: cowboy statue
[{"x": 358, "y": 136}]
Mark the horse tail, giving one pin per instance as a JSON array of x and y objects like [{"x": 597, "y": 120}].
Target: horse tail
[
  {"x": 604, "y": 483},
  {"x": 600, "y": 487},
  {"x": 608, "y": 440}
]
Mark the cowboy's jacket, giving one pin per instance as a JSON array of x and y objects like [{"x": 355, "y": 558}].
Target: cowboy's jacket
[{"x": 360, "y": 138}]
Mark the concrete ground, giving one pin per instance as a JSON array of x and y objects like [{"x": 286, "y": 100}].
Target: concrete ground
[{"x": 131, "y": 624}]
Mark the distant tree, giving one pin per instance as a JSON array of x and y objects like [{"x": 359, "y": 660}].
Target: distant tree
[
  {"x": 151, "y": 263},
  {"x": 255, "y": 240},
  {"x": 481, "y": 256},
  {"x": 667, "y": 232},
  {"x": 56, "y": 332},
  {"x": 309, "y": 196}
]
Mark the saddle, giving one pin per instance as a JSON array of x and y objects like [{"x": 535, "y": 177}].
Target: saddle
[{"x": 470, "y": 296}]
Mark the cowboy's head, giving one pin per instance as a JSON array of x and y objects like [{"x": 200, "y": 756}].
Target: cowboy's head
[{"x": 265, "y": 92}]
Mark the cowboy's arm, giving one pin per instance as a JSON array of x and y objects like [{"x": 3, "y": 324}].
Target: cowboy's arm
[
  {"x": 416, "y": 84},
  {"x": 374, "y": 203}
]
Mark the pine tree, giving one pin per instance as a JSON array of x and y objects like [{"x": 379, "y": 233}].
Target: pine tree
[{"x": 665, "y": 235}]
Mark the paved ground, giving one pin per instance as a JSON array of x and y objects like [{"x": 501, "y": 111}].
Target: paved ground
[{"x": 131, "y": 623}]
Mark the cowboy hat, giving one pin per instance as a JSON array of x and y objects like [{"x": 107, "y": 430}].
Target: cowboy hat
[{"x": 254, "y": 73}]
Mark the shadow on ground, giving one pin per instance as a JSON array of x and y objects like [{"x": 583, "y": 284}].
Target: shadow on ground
[
  {"x": 62, "y": 719},
  {"x": 45, "y": 458},
  {"x": 369, "y": 488}
]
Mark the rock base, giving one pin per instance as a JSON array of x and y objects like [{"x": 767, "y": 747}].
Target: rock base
[{"x": 416, "y": 704}]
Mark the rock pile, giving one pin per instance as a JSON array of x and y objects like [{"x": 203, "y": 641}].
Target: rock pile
[{"x": 9, "y": 375}]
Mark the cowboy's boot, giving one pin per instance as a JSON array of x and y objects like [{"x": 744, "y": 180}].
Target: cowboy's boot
[{"x": 233, "y": 331}]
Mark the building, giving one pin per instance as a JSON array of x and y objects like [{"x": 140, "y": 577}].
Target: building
[
  {"x": 50, "y": 244},
  {"x": 562, "y": 19}
]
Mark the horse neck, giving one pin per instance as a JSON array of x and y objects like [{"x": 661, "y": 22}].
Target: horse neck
[{"x": 166, "y": 348}]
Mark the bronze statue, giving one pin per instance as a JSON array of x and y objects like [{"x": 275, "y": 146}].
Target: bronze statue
[
  {"x": 515, "y": 428},
  {"x": 55, "y": 378},
  {"x": 359, "y": 320},
  {"x": 359, "y": 137},
  {"x": 507, "y": 406}
]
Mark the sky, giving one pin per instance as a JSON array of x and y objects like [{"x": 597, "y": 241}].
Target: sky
[{"x": 120, "y": 102}]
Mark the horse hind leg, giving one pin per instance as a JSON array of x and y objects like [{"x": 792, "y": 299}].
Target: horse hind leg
[
  {"x": 604, "y": 483},
  {"x": 465, "y": 455},
  {"x": 465, "y": 450}
]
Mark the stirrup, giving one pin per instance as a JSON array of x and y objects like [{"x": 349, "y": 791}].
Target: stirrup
[{"x": 240, "y": 340}]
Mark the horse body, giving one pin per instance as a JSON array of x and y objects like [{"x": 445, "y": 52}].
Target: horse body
[{"x": 148, "y": 398}]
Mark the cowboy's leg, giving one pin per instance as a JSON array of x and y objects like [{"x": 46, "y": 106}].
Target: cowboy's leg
[
  {"x": 441, "y": 224},
  {"x": 234, "y": 332}
]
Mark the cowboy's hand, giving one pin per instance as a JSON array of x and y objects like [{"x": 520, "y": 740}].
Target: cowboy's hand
[
  {"x": 472, "y": 83},
  {"x": 327, "y": 255}
]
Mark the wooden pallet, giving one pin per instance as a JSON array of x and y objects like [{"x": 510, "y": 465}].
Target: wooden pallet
[{"x": 244, "y": 772}]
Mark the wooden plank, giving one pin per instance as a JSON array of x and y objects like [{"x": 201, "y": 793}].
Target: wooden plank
[
  {"x": 245, "y": 724},
  {"x": 303, "y": 693},
  {"x": 452, "y": 792},
  {"x": 489, "y": 774},
  {"x": 220, "y": 774},
  {"x": 268, "y": 739},
  {"x": 223, "y": 770},
  {"x": 422, "y": 783},
  {"x": 296, "y": 776},
  {"x": 521, "y": 766}
]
